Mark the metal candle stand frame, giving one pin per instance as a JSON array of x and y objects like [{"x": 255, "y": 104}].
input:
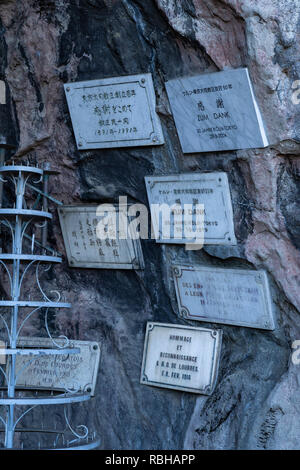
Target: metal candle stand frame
[{"x": 17, "y": 220}]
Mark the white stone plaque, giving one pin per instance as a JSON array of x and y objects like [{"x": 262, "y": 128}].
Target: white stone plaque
[
  {"x": 216, "y": 111},
  {"x": 62, "y": 372},
  {"x": 208, "y": 189},
  {"x": 230, "y": 296},
  {"x": 181, "y": 357},
  {"x": 85, "y": 250},
  {"x": 114, "y": 112}
]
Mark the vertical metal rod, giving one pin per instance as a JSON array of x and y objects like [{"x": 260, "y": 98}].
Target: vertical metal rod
[
  {"x": 2, "y": 160},
  {"x": 45, "y": 204},
  {"x": 17, "y": 249}
]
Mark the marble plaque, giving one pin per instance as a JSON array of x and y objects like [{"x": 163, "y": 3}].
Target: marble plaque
[
  {"x": 181, "y": 357},
  {"x": 230, "y": 296},
  {"x": 114, "y": 112},
  {"x": 208, "y": 189},
  {"x": 216, "y": 111},
  {"x": 85, "y": 250},
  {"x": 70, "y": 371}
]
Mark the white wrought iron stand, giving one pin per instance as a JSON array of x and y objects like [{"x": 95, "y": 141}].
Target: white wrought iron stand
[{"x": 16, "y": 265}]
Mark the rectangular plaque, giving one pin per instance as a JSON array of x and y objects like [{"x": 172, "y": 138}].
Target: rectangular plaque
[
  {"x": 49, "y": 372},
  {"x": 209, "y": 189},
  {"x": 216, "y": 111},
  {"x": 114, "y": 112},
  {"x": 181, "y": 357},
  {"x": 230, "y": 296},
  {"x": 85, "y": 250}
]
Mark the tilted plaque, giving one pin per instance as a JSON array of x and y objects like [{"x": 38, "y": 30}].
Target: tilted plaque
[
  {"x": 230, "y": 296},
  {"x": 216, "y": 111},
  {"x": 86, "y": 250},
  {"x": 193, "y": 190},
  {"x": 74, "y": 372},
  {"x": 181, "y": 357},
  {"x": 114, "y": 112}
]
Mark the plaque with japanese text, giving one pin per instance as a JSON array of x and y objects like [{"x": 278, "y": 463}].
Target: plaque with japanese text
[
  {"x": 86, "y": 250},
  {"x": 189, "y": 195},
  {"x": 181, "y": 357},
  {"x": 216, "y": 111},
  {"x": 114, "y": 112},
  {"x": 238, "y": 297},
  {"x": 74, "y": 372}
]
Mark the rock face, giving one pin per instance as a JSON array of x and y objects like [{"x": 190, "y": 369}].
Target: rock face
[{"x": 44, "y": 44}]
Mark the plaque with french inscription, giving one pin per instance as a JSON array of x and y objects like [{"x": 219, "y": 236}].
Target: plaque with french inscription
[
  {"x": 86, "y": 250},
  {"x": 74, "y": 372},
  {"x": 181, "y": 357},
  {"x": 191, "y": 194},
  {"x": 114, "y": 112},
  {"x": 238, "y": 297},
  {"x": 216, "y": 111}
]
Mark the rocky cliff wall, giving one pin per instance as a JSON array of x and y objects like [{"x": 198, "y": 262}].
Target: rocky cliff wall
[{"x": 45, "y": 43}]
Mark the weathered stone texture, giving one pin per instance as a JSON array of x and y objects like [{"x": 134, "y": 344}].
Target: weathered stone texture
[{"x": 44, "y": 44}]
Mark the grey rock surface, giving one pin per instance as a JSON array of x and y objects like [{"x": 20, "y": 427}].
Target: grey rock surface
[{"x": 45, "y": 44}]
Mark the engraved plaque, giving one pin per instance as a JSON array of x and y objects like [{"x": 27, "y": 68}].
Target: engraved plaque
[
  {"x": 49, "y": 372},
  {"x": 230, "y": 296},
  {"x": 181, "y": 357},
  {"x": 114, "y": 112},
  {"x": 208, "y": 189},
  {"x": 85, "y": 250},
  {"x": 216, "y": 111}
]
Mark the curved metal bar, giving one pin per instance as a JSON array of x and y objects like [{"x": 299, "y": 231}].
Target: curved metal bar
[
  {"x": 30, "y": 257},
  {"x": 17, "y": 168},
  {"x": 39, "y": 180},
  {"x": 4, "y": 373},
  {"x": 50, "y": 336},
  {"x": 59, "y": 400},
  {"x": 9, "y": 275},
  {"x": 24, "y": 274},
  {"x": 8, "y": 224},
  {"x": 79, "y": 436},
  {"x": 24, "y": 228},
  {"x": 26, "y": 213},
  {"x": 25, "y": 320},
  {"x": 41, "y": 225},
  {"x": 28, "y": 303},
  {"x": 3, "y": 421},
  {"x": 91, "y": 446},
  {"x": 6, "y": 326},
  {"x": 22, "y": 369},
  {"x": 22, "y": 415},
  {"x": 39, "y": 352},
  {"x": 39, "y": 285}
]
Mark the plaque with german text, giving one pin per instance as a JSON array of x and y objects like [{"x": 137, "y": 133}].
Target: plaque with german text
[
  {"x": 216, "y": 111},
  {"x": 73, "y": 372},
  {"x": 181, "y": 357},
  {"x": 189, "y": 195},
  {"x": 238, "y": 297},
  {"x": 85, "y": 249},
  {"x": 114, "y": 112}
]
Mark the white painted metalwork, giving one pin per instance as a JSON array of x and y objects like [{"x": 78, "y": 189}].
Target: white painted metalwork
[{"x": 15, "y": 314}]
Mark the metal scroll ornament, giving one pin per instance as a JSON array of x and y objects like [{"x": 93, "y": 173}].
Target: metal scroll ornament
[{"x": 20, "y": 224}]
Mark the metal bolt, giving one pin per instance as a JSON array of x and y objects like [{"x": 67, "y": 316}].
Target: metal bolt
[
  {"x": 68, "y": 88},
  {"x": 79, "y": 144},
  {"x": 143, "y": 80},
  {"x": 95, "y": 347}
]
